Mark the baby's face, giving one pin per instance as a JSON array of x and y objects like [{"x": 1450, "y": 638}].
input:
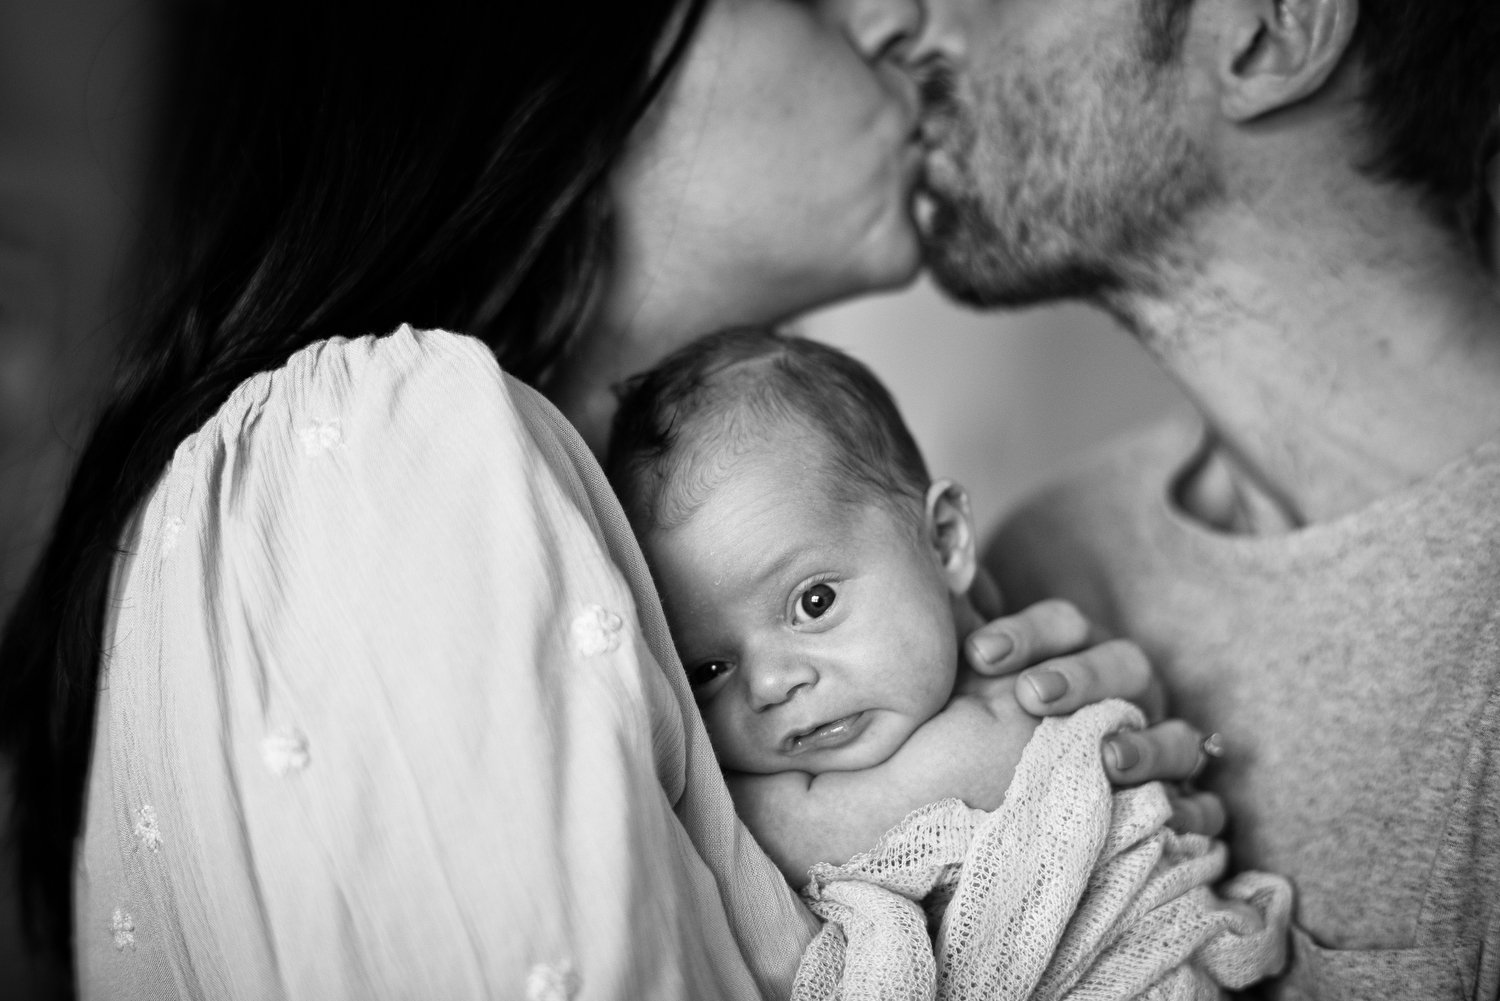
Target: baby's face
[{"x": 816, "y": 635}]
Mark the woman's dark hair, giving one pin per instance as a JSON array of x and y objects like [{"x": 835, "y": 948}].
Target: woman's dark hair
[{"x": 329, "y": 167}]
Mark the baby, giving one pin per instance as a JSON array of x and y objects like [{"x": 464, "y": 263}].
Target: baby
[{"x": 815, "y": 578}]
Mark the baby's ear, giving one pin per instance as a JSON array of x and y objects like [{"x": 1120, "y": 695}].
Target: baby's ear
[{"x": 950, "y": 526}]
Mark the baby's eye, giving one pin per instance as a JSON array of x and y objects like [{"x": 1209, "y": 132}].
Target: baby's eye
[
  {"x": 816, "y": 600},
  {"x": 707, "y": 673}
]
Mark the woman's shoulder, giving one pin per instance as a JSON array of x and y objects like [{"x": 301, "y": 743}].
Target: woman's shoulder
[
  {"x": 401, "y": 381},
  {"x": 414, "y": 435},
  {"x": 410, "y": 392},
  {"x": 408, "y": 458}
]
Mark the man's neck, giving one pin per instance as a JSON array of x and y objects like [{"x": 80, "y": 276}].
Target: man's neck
[{"x": 1334, "y": 364}]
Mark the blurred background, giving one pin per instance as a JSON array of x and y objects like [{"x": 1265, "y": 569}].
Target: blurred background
[
  {"x": 78, "y": 105},
  {"x": 1000, "y": 401},
  {"x": 996, "y": 401}
]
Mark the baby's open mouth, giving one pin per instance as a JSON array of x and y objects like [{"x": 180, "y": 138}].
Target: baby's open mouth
[{"x": 834, "y": 733}]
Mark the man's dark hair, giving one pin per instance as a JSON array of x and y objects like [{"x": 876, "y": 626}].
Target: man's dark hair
[
  {"x": 682, "y": 423},
  {"x": 1432, "y": 90}
]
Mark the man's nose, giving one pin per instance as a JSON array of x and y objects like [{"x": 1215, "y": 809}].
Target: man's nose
[
  {"x": 775, "y": 680},
  {"x": 941, "y": 40},
  {"x": 879, "y": 29}
]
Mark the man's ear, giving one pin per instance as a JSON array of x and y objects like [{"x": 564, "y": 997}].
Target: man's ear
[
  {"x": 950, "y": 526},
  {"x": 1275, "y": 53}
]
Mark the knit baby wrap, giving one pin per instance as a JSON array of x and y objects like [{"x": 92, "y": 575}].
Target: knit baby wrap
[{"x": 1071, "y": 889}]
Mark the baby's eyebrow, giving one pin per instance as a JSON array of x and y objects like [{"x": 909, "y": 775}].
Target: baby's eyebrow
[{"x": 772, "y": 569}]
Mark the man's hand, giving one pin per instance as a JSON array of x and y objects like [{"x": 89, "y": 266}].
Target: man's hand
[{"x": 1065, "y": 663}]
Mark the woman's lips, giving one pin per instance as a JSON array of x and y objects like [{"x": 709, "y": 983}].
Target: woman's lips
[{"x": 826, "y": 736}]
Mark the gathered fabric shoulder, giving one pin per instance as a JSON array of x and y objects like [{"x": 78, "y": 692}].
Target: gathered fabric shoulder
[{"x": 389, "y": 710}]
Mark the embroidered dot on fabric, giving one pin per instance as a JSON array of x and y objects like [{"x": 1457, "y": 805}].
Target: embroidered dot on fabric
[
  {"x": 321, "y": 436},
  {"x": 146, "y": 829},
  {"x": 122, "y": 926},
  {"x": 285, "y": 750},
  {"x": 169, "y": 533},
  {"x": 595, "y": 631},
  {"x": 552, "y": 982}
]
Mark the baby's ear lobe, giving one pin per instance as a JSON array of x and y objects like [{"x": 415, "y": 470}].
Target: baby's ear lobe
[{"x": 950, "y": 526}]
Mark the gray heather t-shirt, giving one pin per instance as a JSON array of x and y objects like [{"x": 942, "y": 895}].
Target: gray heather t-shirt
[{"x": 1354, "y": 670}]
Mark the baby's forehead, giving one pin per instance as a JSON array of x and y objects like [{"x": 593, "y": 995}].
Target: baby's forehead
[
  {"x": 765, "y": 502},
  {"x": 760, "y": 462},
  {"x": 728, "y": 451},
  {"x": 745, "y": 430}
]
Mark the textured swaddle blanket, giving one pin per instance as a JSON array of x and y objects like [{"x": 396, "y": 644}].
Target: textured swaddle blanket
[{"x": 1070, "y": 890}]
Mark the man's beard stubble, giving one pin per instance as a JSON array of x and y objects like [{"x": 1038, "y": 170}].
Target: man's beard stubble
[{"x": 1057, "y": 181}]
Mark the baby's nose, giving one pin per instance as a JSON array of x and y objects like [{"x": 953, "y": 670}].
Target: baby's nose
[{"x": 775, "y": 682}]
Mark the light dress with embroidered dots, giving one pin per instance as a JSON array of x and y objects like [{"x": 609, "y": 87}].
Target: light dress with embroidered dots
[{"x": 389, "y": 710}]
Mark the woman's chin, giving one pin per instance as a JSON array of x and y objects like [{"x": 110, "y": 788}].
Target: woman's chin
[
  {"x": 904, "y": 272},
  {"x": 890, "y": 276},
  {"x": 894, "y": 256},
  {"x": 896, "y": 265}
]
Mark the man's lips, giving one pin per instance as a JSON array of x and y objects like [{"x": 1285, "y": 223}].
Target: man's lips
[{"x": 826, "y": 736}]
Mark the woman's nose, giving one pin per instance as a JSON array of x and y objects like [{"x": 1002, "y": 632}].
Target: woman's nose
[
  {"x": 943, "y": 37},
  {"x": 773, "y": 682},
  {"x": 878, "y": 28}
]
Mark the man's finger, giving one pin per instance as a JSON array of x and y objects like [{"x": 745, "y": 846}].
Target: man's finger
[
  {"x": 1039, "y": 632},
  {"x": 1167, "y": 752},
  {"x": 1114, "y": 669},
  {"x": 1196, "y": 813}
]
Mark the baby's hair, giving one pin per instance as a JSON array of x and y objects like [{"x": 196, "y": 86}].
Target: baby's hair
[{"x": 682, "y": 425}]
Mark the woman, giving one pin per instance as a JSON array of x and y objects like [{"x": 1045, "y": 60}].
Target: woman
[{"x": 386, "y": 705}]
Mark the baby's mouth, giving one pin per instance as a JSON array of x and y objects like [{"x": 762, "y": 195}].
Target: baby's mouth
[{"x": 825, "y": 736}]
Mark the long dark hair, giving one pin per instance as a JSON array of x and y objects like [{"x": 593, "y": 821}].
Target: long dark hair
[{"x": 330, "y": 167}]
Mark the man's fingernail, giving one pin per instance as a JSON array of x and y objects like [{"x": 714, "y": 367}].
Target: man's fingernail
[
  {"x": 992, "y": 647},
  {"x": 1048, "y": 686},
  {"x": 1123, "y": 754}
]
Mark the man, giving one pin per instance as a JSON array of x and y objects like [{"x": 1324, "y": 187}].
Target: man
[{"x": 1274, "y": 197}]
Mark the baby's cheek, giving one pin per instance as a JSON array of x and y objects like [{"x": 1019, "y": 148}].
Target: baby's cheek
[
  {"x": 730, "y": 746},
  {"x": 936, "y": 663}
]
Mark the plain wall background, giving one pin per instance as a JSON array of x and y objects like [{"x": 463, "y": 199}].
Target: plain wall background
[{"x": 999, "y": 401}]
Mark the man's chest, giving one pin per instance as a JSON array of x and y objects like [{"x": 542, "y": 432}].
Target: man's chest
[{"x": 1350, "y": 711}]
